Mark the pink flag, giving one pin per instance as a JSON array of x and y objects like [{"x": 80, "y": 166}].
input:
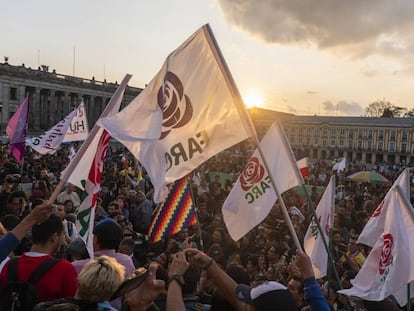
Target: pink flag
[{"x": 17, "y": 130}]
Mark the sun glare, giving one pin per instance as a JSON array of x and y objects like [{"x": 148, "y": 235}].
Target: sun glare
[{"x": 253, "y": 99}]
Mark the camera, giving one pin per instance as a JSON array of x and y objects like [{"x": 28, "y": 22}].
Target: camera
[{"x": 14, "y": 179}]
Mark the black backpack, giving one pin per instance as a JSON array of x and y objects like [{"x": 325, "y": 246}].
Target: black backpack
[{"x": 22, "y": 296}]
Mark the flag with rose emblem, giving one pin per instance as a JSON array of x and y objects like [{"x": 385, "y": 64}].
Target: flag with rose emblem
[
  {"x": 185, "y": 115},
  {"x": 252, "y": 197},
  {"x": 389, "y": 266},
  {"x": 375, "y": 225}
]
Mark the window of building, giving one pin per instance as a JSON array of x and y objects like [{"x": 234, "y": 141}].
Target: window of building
[
  {"x": 333, "y": 142},
  {"x": 300, "y": 130},
  {"x": 316, "y": 140},
  {"x": 300, "y": 141},
  {"x": 404, "y": 136},
  {"x": 324, "y": 131},
  {"x": 360, "y": 134},
  {"x": 393, "y": 135},
  {"x": 316, "y": 132},
  {"x": 350, "y": 144},
  {"x": 351, "y": 133},
  {"x": 308, "y": 131},
  {"x": 369, "y": 146},
  {"x": 391, "y": 147},
  {"x": 380, "y": 134},
  {"x": 359, "y": 146},
  {"x": 333, "y": 132},
  {"x": 341, "y": 142},
  {"x": 380, "y": 146},
  {"x": 404, "y": 147},
  {"x": 324, "y": 142},
  {"x": 342, "y": 131},
  {"x": 13, "y": 93},
  {"x": 369, "y": 136}
]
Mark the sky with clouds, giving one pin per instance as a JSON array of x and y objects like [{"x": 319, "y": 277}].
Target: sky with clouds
[{"x": 325, "y": 57}]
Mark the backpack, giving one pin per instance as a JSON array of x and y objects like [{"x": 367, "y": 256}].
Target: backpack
[{"x": 22, "y": 296}]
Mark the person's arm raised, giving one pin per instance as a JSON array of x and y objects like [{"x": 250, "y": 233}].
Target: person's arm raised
[
  {"x": 39, "y": 214},
  {"x": 222, "y": 280},
  {"x": 178, "y": 266}
]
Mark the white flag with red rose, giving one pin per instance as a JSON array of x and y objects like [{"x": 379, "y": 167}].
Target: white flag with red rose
[
  {"x": 313, "y": 243},
  {"x": 375, "y": 225},
  {"x": 252, "y": 197},
  {"x": 389, "y": 266},
  {"x": 186, "y": 114}
]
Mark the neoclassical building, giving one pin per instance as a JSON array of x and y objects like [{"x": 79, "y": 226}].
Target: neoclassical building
[
  {"x": 52, "y": 95},
  {"x": 363, "y": 139}
]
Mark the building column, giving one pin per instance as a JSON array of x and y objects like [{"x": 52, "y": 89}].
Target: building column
[
  {"x": 53, "y": 112},
  {"x": 66, "y": 103},
  {"x": 94, "y": 110},
  {"x": 35, "y": 108}
]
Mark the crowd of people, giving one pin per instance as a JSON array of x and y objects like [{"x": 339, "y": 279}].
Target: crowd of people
[{"x": 200, "y": 268}]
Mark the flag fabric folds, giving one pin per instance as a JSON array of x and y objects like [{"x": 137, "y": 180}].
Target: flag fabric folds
[
  {"x": 85, "y": 217},
  {"x": 185, "y": 115},
  {"x": 175, "y": 213},
  {"x": 303, "y": 165},
  {"x": 87, "y": 172},
  {"x": 81, "y": 171},
  {"x": 313, "y": 243},
  {"x": 78, "y": 129},
  {"x": 50, "y": 141},
  {"x": 252, "y": 196},
  {"x": 375, "y": 225},
  {"x": 389, "y": 266},
  {"x": 340, "y": 166},
  {"x": 17, "y": 130}
]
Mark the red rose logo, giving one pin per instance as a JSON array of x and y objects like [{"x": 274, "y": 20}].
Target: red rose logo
[
  {"x": 378, "y": 209},
  {"x": 385, "y": 259},
  {"x": 252, "y": 174},
  {"x": 176, "y": 107}
]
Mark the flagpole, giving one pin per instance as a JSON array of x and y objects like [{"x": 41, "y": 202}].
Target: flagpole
[
  {"x": 74, "y": 162},
  {"x": 247, "y": 122},
  {"x": 325, "y": 243},
  {"x": 196, "y": 213}
]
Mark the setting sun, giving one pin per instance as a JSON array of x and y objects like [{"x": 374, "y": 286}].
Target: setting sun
[{"x": 253, "y": 99}]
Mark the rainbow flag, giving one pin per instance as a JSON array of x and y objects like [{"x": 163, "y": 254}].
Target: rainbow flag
[{"x": 175, "y": 213}]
